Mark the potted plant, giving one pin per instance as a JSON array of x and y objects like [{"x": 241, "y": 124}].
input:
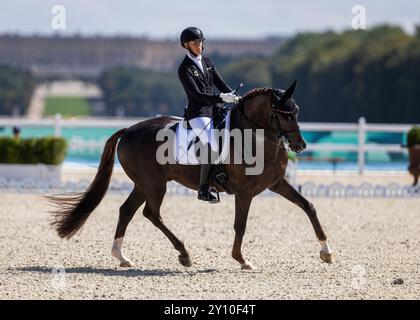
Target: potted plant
[
  {"x": 36, "y": 159},
  {"x": 413, "y": 144}
]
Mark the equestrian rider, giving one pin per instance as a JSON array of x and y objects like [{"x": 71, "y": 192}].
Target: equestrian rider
[{"x": 199, "y": 77}]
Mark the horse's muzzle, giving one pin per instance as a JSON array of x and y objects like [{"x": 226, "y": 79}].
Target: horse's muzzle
[{"x": 299, "y": 146}]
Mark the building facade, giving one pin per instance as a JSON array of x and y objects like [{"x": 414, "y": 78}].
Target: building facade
[{"x": 56, "y": 56}]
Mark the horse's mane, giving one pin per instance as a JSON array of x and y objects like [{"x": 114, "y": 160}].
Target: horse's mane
[
  {"x": 278, "y": 93},
  {"x": 257, "y": 91},
  {"x": 254, "y": 92}
]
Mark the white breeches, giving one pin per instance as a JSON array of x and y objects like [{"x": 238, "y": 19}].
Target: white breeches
[{"x": 203, "y": 128}]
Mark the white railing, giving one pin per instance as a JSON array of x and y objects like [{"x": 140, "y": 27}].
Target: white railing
[
  {"x": 361, "y": 147},
  {"x": 58, "y": 123},
  {"x": 308, "y": 189},
  {"x": 361, "y": 128}
]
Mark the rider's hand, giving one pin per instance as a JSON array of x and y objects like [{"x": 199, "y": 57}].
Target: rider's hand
[{"x": 229, "y": 97}]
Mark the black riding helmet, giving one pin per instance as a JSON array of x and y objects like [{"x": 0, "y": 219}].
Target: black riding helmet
[{"x": 191, "y": 34}]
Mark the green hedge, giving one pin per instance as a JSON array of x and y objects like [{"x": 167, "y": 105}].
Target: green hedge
[
  {"x": 413, "y": 136},
  {"x": 48, "y": 150}
]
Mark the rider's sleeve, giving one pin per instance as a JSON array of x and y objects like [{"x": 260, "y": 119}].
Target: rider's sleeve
[{"x": 191, "y": 87}]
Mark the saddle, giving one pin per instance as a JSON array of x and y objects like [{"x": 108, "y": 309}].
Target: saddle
[{"x": 185, "y": 152}]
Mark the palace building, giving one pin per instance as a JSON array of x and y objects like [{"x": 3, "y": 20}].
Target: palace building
[{"x": 87, "y": 56}]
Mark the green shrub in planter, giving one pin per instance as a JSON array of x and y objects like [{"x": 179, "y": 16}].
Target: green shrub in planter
[
  {"x": 29, "y": 151},
  {"x": 48, "y": 150},
  {"x": 52, "y": 150},
  {"x": 9, "y": 150},
  {"x": 291, "y": 156},
  {"x": 413, "y": 136}
]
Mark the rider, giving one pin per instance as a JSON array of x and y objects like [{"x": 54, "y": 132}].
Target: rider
[{"x": 198, "y": 77}]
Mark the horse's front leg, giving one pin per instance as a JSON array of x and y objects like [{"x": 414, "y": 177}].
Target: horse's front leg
[
  {"x": 242, "y": 204},
  {"x": 286, "y": 190}
]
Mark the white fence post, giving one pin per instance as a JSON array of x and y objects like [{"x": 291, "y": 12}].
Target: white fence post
[
  {"x": 361, "y": 144},
  {"x": 57, "y": 125}
]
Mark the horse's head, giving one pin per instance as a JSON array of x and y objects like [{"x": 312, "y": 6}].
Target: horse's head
[
  {"x": 275, "y": 111},
  {"x": 284, "y": 118}
]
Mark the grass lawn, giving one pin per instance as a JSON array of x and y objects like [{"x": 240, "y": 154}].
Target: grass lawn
[{"x": 67, "y": 106}]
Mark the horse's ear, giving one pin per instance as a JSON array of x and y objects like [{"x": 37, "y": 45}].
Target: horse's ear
[{"x": 289, "y": 92}]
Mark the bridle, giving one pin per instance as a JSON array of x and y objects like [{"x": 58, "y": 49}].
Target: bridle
[
  {"x": 276, "y": 122},
  {"x": 278, "y": 131}
]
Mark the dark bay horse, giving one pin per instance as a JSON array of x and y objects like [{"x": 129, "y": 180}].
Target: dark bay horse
[{"x": 275, "y": 111}]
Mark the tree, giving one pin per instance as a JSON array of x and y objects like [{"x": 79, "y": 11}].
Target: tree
[{"x": 16, "y": 88}]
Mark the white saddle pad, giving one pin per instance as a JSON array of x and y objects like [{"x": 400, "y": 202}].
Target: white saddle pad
[{"x": 184, "y": 136}]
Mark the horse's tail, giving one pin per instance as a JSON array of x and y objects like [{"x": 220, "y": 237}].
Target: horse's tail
[{"x": 73, "y": 210}]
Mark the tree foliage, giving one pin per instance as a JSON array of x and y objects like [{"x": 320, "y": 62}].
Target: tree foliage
[
  {"x": 342, "y": 76},
  {"x": 141, "y": 92},
  {"x": 373, "y": 73},
  {"x": 16, "y": 88}
]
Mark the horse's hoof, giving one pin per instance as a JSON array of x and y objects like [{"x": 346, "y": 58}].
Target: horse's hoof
[
  {"x": 327, "y": 257},
  {"x": 126, "y": 264},
  {"x": 247, "y": 266},
  {"x": 185, "y": 261}
]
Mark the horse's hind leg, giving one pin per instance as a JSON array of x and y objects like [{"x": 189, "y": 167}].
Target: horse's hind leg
[
  {"x": 286, "y": 190},
  {"x": 152, "y": 212},
  {"x": 127, "y": 211}
]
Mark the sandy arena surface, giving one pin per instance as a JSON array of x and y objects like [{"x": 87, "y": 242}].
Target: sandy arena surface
[{"x": 376, "y": 242}]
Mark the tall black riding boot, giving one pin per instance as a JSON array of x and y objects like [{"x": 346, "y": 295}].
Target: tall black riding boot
[{"x": 204, "y": 193}]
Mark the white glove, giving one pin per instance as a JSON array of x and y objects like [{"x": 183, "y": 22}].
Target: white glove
[{"x": 229, "y": 97}]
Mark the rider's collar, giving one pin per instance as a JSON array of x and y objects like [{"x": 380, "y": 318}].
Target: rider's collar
[{"x": 194, "y": 58}]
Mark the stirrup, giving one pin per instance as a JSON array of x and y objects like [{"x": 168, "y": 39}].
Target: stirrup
[
  {"x": 209, "y": 197},
  {"x": 217, "y": 200}
]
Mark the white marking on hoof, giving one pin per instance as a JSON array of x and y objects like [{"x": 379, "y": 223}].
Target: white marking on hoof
[
  {"x": 325, "y": 247},
  {"x": 326, "y": 253},
  {"x": 247, "y": 266},
  {"x": 117, "y": 252}
]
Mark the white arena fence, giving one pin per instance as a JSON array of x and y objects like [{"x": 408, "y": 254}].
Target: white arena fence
[
  {"x": 361, "y": 128},
  {"x": 308, "y": 189}
]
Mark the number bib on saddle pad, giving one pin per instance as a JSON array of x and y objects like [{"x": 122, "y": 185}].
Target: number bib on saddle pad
[{"x": 185, "y": 137}]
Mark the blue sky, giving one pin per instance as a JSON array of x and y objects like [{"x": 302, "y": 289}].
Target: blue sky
[{"x": 217, "y": 18}]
